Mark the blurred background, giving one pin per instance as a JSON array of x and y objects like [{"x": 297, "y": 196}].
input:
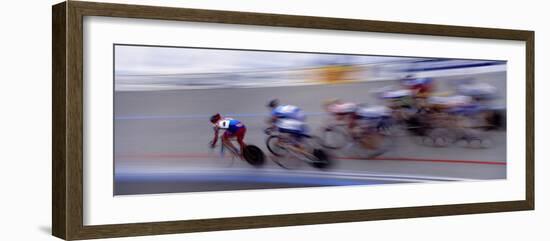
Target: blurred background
[{"x": 164, "y": 97}]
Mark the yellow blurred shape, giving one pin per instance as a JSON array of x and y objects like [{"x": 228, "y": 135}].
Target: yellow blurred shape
[{"x": 336, "y": 74}]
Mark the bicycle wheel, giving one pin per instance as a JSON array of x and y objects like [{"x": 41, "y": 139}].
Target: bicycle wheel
[
  {"x": 254, "y": 155},
  {"x": 384, "y": 144},
  {"x": 322, "y": 159},
  {"x": 287, "y": 162},
  {"x": 441, "y": 137},
  {"x": 416, "y": 127},
  {"x": 272, "y": 145},
  {"x": 475, "y": 140},
  {"x": 227, "y": 160},
  {"x": 333, "y": 138},
  {"x": 393, "y": 128}
]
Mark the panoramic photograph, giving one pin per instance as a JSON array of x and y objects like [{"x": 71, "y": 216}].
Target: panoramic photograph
[{"x": 189, "y": 119}]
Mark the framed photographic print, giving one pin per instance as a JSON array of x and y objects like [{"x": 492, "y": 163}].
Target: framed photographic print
[{"x": 171, "y": 120}]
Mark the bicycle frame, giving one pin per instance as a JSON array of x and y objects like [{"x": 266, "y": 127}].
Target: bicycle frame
[
  {"x": 296, "y": 152},
  {"x": 233, "y": 150}
]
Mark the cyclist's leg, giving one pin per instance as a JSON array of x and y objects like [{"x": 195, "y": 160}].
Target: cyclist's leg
[
  {"x": 296, "y": 137},
  {"x": 226, "y": 140},
  {"x": 372, "y": 139},
  {"x": 240, "y": 138},
  {"x": 355, "y": 126}
]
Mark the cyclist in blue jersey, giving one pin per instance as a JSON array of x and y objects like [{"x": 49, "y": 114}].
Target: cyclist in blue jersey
[
  {"x": 233, "y": 129},
  {"x": 285, "y": 111},
  {"x": 422, "y": 87},
  {"x": 287, "y": 119}
]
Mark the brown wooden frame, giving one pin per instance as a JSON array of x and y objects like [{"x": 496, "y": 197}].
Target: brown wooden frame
[{"x": 67, "y": 123}]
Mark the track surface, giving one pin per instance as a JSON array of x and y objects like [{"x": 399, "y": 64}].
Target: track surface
[{"x": 161, "y": 143}]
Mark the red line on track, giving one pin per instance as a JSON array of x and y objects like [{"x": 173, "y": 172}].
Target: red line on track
[
  {"x": 429, "y": 160},
  {"x": 411, "y": 159}
]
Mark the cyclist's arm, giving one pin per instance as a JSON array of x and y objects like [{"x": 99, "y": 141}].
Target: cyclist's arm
[
  {"x": 271, "y": 121},
  {"x": 215, "y": 139}
]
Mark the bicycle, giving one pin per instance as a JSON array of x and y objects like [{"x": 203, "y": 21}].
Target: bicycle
[
  {"x": 471, "y": 137},
  {"x": 289, "y": 155},
  {"x": 365, "y": 143},
  {"x": 252, "y": 154}
]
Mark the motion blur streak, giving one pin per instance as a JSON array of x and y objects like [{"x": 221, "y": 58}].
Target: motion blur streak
[{"x": 432, "y": 119}]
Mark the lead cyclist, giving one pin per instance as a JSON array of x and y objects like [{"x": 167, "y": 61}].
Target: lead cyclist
[{"x": 233, "y": 129}]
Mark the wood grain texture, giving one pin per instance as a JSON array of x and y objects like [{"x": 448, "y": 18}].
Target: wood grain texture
[
  {"x": 59, "y": 192},
  {"x": 530, "y": 120},
  {"x": 263, "y": 19},
  {"x": 67, "y": 180},
  {"x": 74, "y": 121},
  {"x": 121, "y": 230}
]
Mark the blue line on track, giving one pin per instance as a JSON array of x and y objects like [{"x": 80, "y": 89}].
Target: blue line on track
[
  {"x": 251, "y": 178},
  {"x": 460, "y": 66},
  {"x": 190, "y": 117}
]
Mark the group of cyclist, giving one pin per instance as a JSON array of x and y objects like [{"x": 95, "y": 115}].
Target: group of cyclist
[
  {"x": 360, "y": 120},
  {"x": 461, "y": 114},
  {"x": 286, "y": 119}
]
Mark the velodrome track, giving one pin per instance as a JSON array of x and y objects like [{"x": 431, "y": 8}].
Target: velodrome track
[{"x": 161, "y": 143}]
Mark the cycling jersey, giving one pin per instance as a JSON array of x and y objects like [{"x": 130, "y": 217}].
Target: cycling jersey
[
  {"x": 371, "y": 118},
  {"x": 450, "y": 101},
  {"x": 396, "y": 94},
  {"x": 373, "y": 112},
  {"x": 288, "y": 112},
  {"x": 479, "y": 90},
  {"x": 342, "y": 108},
  {"x": 399, "y": 98},
  {"x": 230, "y": 125},
  {"x": 470, "y": 109},
  {"x": 420, "y": 85},
  {"x": 291, "y": 126}
]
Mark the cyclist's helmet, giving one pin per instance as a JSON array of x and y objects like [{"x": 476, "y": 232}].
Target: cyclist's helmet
[
  {"x": 215, "y": 118},
  {"x": 273, "y": 103},
  {"x": 331, "y": 101}
]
